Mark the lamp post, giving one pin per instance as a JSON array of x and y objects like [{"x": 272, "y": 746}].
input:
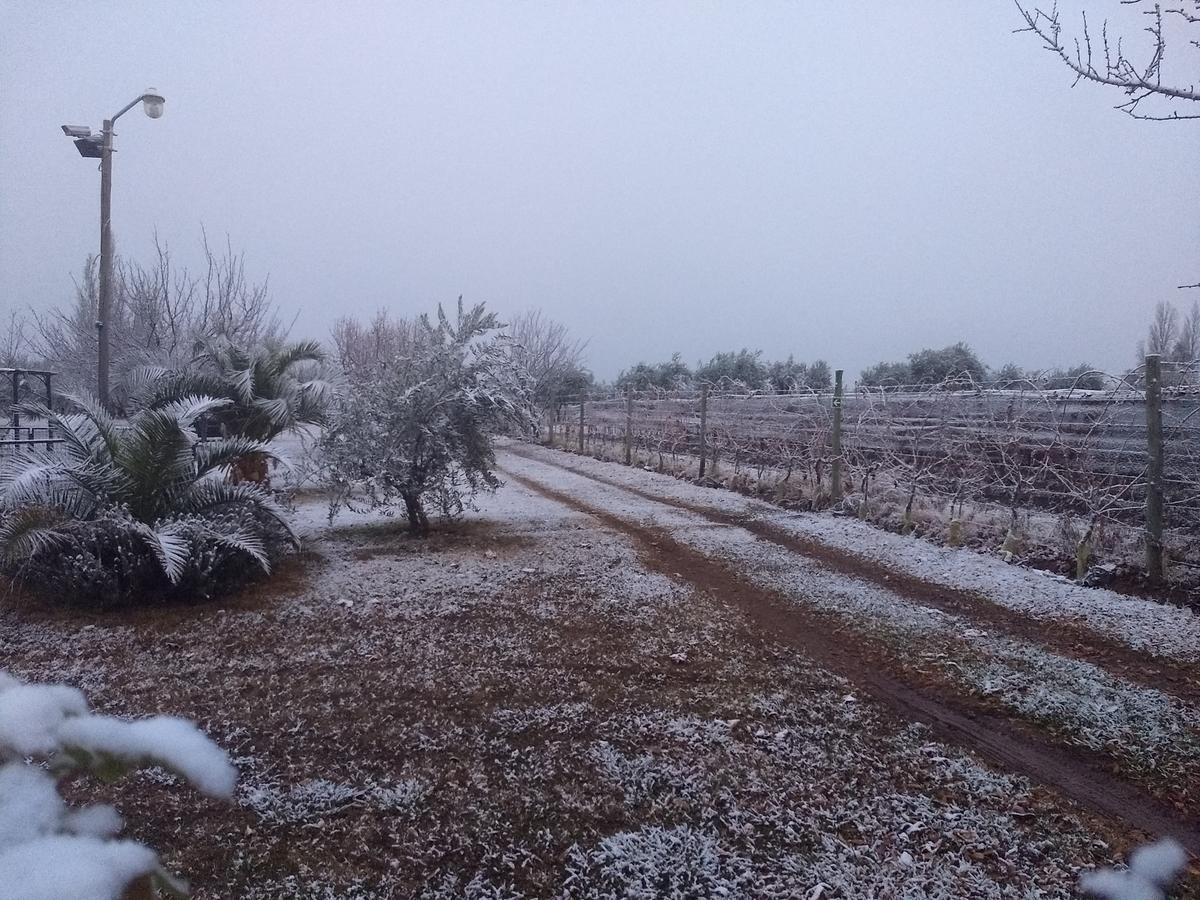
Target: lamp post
[{"x": 101, "y": 147}]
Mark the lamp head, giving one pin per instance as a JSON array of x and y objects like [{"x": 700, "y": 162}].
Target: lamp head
[{"x": 152, "y": 103}]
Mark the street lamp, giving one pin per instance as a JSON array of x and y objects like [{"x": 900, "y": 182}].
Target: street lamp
[{"x": 100, "y": 146}]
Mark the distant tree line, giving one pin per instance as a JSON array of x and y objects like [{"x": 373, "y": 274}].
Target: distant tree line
[
  {"x": 747, "y": 368},
  {"x": 743, "y": 367},
  {"x": 959, "y": 363},
  {"x": 1172, "y": 335}
]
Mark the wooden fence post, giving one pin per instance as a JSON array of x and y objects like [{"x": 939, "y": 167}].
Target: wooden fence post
[
  {"x": 629, "y": 427},
  {"x": 1154, "y": 470},
  {"x": 835, "y": 489},
  {"x": 581, "y": 402},
  {"x": 703, "y": 426}
]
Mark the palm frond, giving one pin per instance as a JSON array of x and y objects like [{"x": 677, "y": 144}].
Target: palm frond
[
  {"x": 28, "y": 531},
  {"x": 142, "y": 385},
  {"x": 212, "y": 455},
  {"x": 154, "y": 386},
  {"x": 155, "y": 456},
  {"x": 172, "y": 550},
  {"x": 26, "y": 476},
  {"x": 32, "y": 477},
  {"x": 315, "y": 398},
  {"x": 226, "y": 356},
  {"x": 210, "y": 494},
  {"x": 242, "y": 381},
  {"x": 275, "y": 413},
  {"x": 302, "y": 351},
  {"x": 243, "y": 541},
  {"x": 186, "y": 410},
  {"x": 82, "y": 436},
  {"x": 104, "y": 424}
]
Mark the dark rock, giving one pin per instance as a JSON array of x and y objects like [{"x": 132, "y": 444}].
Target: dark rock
[{"x": 1100, "y": 576}]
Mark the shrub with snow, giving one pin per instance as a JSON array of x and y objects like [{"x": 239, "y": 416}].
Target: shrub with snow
[
  {"x": 1152, "y": 870},
  {"x": 52, "y": 851},
  {"x": 656, "y": 862},
  {"x": 126, "y": 511},
  {"x": 418, "y": 426}
]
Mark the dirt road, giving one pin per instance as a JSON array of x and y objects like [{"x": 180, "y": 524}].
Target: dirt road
[{"x": 1018, "y": 739}]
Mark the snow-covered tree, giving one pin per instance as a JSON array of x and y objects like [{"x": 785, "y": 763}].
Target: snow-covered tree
[
  {"x": 362, "y": 347},
  {"x": 669, "y": 375},
  {"x": 419, "y": 425},
  {"x": 50, "y": 850},
  {"x": 548, "y": 358},
  {"x": 1077, "y": 378},
  {"x": 744, "y": 367},
  {"x": 955, "y": 363},
  {"x": 789, "y": 375}
]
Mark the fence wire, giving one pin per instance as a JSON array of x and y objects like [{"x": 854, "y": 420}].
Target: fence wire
[{"x": 1082, "y": 453}]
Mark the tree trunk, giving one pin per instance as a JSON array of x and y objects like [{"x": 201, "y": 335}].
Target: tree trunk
[
  {"x": 252, "y": 468},
  {"x": 906, "y": 526},
  {"x": 418, "y": 523}
]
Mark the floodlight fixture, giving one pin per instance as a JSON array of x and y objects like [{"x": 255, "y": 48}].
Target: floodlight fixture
[{"x": 90, "y": 147}]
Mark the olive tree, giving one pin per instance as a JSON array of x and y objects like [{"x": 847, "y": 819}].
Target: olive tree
[{"x": 417, "y": 427}]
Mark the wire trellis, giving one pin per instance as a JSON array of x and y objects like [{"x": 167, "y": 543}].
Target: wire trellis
[{"x": 1076, "y": 452}]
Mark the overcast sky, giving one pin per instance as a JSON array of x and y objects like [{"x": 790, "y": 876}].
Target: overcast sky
[{"x": 847, "y": 181}]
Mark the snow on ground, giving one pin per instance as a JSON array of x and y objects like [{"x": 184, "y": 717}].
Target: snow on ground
[
  {"x": 1154, "y": 628},
  {"x": 517, "y": 707},
  {"x": 1145, "y": 625},
  {"x": 1148, "y": 730}
]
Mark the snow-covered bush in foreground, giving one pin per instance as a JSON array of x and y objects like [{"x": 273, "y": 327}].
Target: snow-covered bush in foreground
[
  {"x": 51, "y": 851},
  {"x": 1152, "y": 870}
]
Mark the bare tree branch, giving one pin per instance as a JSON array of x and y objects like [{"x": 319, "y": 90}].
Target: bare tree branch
[
  {"x": 1140, "y": 82},
  {"x": 161, "y": 311}
]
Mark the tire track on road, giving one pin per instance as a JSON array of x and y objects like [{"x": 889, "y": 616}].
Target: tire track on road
[{"x": 1065, "y": 638}]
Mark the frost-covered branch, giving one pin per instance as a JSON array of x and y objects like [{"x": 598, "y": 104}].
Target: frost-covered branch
[
  {"x": 50, "y": 850},
  {"x": 1103, "y": 59},
  {"x": 1152, "y": 870}
]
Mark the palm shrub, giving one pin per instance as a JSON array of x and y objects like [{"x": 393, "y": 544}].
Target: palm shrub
[
  {"x": 126, "y": 511},
  {"x": 416, "y": 428},
  {"x": 266, "y": 390}
]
